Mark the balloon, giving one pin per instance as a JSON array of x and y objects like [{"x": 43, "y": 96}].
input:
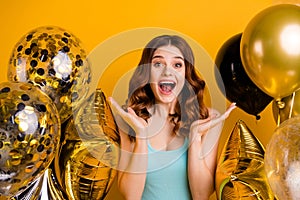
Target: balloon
[
  {"x": 240, "y": 171},
  {"x": 54, "y": 60},
  {"x": 288, "y": 107},
  {"x": 85, "y": 166},
  {"x": 238, "y": 86},
  {"x": 30, "y": 134},
  {"x": 270, "y": 50},
  {"x": 295, "y": 2},
  {"x": 32, "y": 192},
  {"x": 282, "y": 160},
  {"x": 54, "y": 190}
]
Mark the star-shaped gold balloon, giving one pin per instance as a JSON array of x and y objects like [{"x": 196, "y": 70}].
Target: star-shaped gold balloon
[
  {"x": 240, "y": 172},
  {"x": 85, "y": 167}
]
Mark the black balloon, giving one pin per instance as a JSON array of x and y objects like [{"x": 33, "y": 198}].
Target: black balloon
[{"x": 238, "y": 86}]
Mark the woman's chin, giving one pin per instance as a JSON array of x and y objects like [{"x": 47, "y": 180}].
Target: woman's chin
[{"x": 165, "y": 99}]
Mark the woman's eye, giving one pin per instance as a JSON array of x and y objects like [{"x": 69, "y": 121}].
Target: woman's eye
[
  {"x": 178, "y": 65},
  {"x": 158, "y": 64}
]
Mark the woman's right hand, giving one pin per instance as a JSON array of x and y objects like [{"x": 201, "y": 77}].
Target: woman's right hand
[{"x": 138, "y": 124}]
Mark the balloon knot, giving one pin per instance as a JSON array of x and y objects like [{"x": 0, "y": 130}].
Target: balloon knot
[{"x": 257, "y": 117}]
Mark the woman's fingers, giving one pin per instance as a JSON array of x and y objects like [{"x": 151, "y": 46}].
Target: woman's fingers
[
  {"x": 123, "y": 114},
  {"x": 116, "y": 107},
  {"x": 135, "y": 122},
  {"x": 201, "y": 126},
  {"x": 229, "y": 109},
  {"x": 119, "y": 115},
  {"x": 200, "y": 122},
  {"x": 131, "y": 111}
]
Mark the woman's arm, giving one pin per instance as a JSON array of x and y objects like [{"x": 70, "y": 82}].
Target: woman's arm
[
  {"x": 133, "y": 161},
  {"x": 202, "y": 153},
  {"x": 132, "y": 167},
  {"x": 201, "y": 166}
]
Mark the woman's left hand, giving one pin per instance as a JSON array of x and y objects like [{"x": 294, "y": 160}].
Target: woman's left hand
[{"x": 200, "y": 127}]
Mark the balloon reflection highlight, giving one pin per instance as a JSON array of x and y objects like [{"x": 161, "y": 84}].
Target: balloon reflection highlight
[{"x": 290, "y": 40}]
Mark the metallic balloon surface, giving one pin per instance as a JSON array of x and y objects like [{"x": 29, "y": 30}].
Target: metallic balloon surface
[
  {"x": 29, "y": 135},
  {"x": 282, "y": 160},
  {"x": 288, "y": 107},
  {"x": 54, "y": 189},
  {"x": 86, "y": 164},
  {"x": 32, "y": 192},
  {"x": 238, "y": 86},
  {"x": 53, "y": 59},
  {"x": 270, "y": 50},
  {"x": 240, "y": 172}
]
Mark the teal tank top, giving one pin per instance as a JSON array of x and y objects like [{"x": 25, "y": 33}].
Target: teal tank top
[{"x": 167, "y": 176}]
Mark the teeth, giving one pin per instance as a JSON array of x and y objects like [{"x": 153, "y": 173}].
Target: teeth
[
  {"x": 167, "y": 86},
  {"x": 167, "y": 82}
]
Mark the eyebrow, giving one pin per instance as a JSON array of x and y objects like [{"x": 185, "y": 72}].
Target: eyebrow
[{"x": 159, "y": 56}]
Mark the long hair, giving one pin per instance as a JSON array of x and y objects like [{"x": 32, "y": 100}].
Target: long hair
[{"x": 190, "y": 105}]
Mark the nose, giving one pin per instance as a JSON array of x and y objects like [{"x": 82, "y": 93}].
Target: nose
[{"x": 167, "y": 71}]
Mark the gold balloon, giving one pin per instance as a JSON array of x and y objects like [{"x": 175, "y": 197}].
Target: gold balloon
[
  {"x": 33, "y": 191},
  {"x": 270, "y": 50},
  {"x": 286, "y": 108},
  {"x": 54, "y": 189},
  {"x": 282, "y": 160},
  {"x": 53, "y": 59},
  {"x": 240, "y": 172},
  {"x": 86, "y": 165},
  {"x": 29, "y": 136}
]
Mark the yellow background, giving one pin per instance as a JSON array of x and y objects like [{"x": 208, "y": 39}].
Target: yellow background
[{"x": 210, "y": 23}]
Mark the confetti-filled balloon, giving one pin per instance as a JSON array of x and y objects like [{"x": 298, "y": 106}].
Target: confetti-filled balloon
[
  {"x": 282, "y": 160},
  {"x": 32, "y": 192},
  {"x": 53, "y": 59},
  {"x": 240, "y": 172},
  {"x": 85, "y": 166},
  {"x": 29, "y": 135}
]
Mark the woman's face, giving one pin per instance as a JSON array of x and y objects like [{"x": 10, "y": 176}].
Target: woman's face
[{"x": 167, "y": 73}]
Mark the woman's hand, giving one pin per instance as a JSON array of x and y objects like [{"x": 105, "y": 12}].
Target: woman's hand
[
  {"x": 200, "y": 127},
  {"x": 138, "y": 124}
]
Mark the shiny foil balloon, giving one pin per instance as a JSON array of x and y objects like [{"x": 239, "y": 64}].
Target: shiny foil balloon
[
  {"x": 288, "y": 107},
  {"x": 29, "y": 135},
  {"x": 282, "y": 160},
  {"x": 240, "y": 171},
  {"x": 270, "y": 50},
  {"x": 32, "y": 192},
  {"x": 54, "y": 60},
  {"x": 238, "y": 86},
  {"x": 54, "y": 189},
  {"x": 86, "y": 164}
]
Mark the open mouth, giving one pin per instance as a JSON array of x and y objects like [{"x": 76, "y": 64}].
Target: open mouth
[{"x": 166, "y": 87}]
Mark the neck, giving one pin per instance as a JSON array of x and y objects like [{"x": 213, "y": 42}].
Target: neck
[{"x": 163, "y": 109}]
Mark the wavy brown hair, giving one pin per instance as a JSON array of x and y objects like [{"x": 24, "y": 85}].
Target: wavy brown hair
[{"x": 190, "y": 105}]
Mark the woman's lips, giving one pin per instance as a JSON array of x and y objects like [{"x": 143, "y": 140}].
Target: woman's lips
[{"x": 166, "y": 87}]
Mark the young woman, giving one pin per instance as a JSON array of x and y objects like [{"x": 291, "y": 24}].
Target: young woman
[{"x": 164, "y": 126}]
